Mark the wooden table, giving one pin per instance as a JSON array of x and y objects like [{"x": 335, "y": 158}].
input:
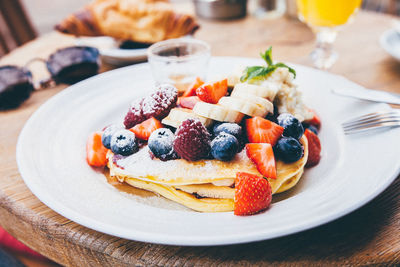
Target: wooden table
[{"x": 370, "y": 235}]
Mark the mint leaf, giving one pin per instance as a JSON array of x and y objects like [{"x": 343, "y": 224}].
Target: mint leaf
[
  {"x": 255, "y": 72},
  {"x": 261, "y": 71},
  {"x": 280, "y": 64},
  {"x": 248, "y": 71},
  {"x": 267, "y": 56}
]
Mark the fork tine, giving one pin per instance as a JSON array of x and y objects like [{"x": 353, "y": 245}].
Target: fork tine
[
  {"x": 372, "y": 120},
  {"x": 368, "y": 127},
  {"x": 375, "y": 120},
  {"x": 371, "y": 116},
  {"x": 372, "y": 123}
]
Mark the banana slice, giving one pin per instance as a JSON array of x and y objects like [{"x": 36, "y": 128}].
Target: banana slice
[
  {"x": 262, "y": 102},
  {"x": 243, "y": 106},
  {"x": 265, "y": 90},
  {"x": 235, "y": 74},
  {"x": 177, "y": 115},
  {"x": 217, "y": 112}
]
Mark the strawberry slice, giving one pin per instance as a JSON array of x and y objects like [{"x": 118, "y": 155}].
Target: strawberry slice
[
  {"x": 252, "y": 194},
  {"x": 260, "y": 130},
  {"x": 263, "y": 156},
  {"x": 315, "y": 121},
  {"x": 95, "y": 151},
  {"x": 314, "y": 148},
  {"x": 188, "y": 102},
  {"x": 144, "y": 129},
  {"x": 191, "y": 91},
  {"x": 212, "y": 92}
]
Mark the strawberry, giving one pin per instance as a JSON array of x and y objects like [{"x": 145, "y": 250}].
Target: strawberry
[
  {"x": 191, "y": 91},
  {"x": 95, "y": 151},
  {"x": 260, "y": 130},
  {"x": 263, "y": 156},
  {"x": 212, "y": 92},
  {"x": 314, "y": 148},
  {"x": 188, "y": 102},
  {"x": 315, "y": 121},
  {"x": 144, "y": 129},
  {"x": 252, "y": 194}
]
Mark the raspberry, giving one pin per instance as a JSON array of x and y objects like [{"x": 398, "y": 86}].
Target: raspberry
[
  {"x": 156, "y": 105},
  {"x": 192, "y": 140},
  {"x": 135, "y": 114},
  {"x": 159, "y": 103}
]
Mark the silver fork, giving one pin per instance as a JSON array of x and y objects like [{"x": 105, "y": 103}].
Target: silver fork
[{"x": 375, "y": 120}]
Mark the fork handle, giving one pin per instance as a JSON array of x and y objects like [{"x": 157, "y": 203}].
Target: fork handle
[{"x": 370, "y": 95}]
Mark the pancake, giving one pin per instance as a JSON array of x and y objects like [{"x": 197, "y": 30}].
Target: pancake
[
  {"x": 179, "y": 172},
  {"x": 184, "y": 198},
  {"x": 291, "y": 182},
  {"x": 205, "y": 185},
  {"x": 287, "y": 171}
]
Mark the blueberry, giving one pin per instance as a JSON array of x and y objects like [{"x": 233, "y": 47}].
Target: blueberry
[
  {"x": 107, "y": 134},
  {"x": 224, "y": 146},
  {"x": 288, "y": 149},
  {"x": 312, "y": 128},
  {"x": 123, "y": 142},
  {"x": 230, "y": 128},
  {"x": 161, "y": 143},
  {"x": 274, "y": 115},
  {"x": 292, "y": 126}
]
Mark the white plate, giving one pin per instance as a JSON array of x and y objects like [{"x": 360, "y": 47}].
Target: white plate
[
  {"x": 390, "y": 41},
  {"x": 51, "y": 159},
  {"x": 111, "y": 53}
]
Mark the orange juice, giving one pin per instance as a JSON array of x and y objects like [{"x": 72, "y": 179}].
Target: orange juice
[{"x": 327, "y": 13}]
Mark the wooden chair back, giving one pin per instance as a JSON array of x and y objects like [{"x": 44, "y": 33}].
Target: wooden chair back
[{"x": 15, "y": 26}]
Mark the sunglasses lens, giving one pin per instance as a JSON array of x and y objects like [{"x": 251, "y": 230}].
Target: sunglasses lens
[
  {"x": 15, "y": 86},
  {"x": 73, "y": 64}
]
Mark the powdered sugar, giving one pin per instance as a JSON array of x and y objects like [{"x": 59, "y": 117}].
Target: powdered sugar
[
  {"x": 230, "y": 128},
  {"x": 140, "y": 165},
  {"x": 161, "y": 144},
  {"x": 136, "y": 106},
  {"x": 157, "y": 105},
  {"x": 192, "y": 140},
  {"x": 168, "y": 136},
  {"x": 135, "y": 114},
  {"x": 161, "y": 99}
]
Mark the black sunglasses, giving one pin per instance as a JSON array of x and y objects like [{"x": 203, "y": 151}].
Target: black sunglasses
[{"x": 67, "y": 65}]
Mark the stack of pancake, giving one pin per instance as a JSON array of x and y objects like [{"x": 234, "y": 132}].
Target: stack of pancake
[{"x": 205, "y": 185}]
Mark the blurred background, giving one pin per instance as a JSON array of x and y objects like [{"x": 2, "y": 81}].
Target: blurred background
[{"x": 43, "y": 20}]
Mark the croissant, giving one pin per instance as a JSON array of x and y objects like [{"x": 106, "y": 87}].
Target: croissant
[{"x": 144, "y": 21}]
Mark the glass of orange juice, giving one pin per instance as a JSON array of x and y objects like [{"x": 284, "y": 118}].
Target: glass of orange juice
[{"x": 325, "y": 17}]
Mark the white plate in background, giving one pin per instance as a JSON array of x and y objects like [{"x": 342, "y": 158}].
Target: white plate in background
[
  {"x": 111, "y": 53},
  {"x": 390, "y": 41}
]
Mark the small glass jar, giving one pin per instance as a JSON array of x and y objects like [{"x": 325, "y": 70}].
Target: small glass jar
[{"x": 179, "y": 61}]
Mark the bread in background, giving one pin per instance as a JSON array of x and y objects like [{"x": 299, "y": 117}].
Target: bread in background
[{"x": 144, "y": 21}]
